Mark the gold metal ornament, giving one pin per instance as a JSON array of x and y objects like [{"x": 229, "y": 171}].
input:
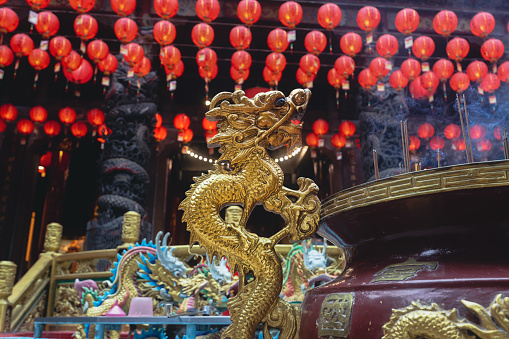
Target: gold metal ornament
[
  {"x": 335, "y": 315},
  {"x": 246, "y": 175},
  {"x": 131, "y": 227},
  {"x": 404, "y": 270},
  {"x": 52, "y": 237}
]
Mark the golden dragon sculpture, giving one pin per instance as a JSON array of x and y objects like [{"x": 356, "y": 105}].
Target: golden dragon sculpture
[{"x": 246, "y": 175}]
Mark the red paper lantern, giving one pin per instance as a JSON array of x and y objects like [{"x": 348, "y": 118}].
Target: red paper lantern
[
  {"x": 186, "y": 135},
  {"x": 240, "y": 37},
  {"x": 411, "y": 68},
  {"x": 415, "y": 143},
  {"x": 38, "y": 114},
  {"x": 426, "y": 130},
  {"x": 457, "y": 49},
  {"x": 290, "y": 14},
  {"x": 430, "y": 81},
  {"x": 315, "y": 42},
  {"x": 39, "y": 59},
  {"x": 160, "y": 133},
  {"x": 503, "y": 71},
  {"x": 423, "y": 47},
  {"x": 133, "y": 53},
  {"x": 329, "y": 16},
  {"x": 202, "y": 35},
  {"x": 490, "y": 83},
  {"x": 170, "y": 56},
  {"x": 304, "y": 78},
  {"x": 492, "y": 50},
  {"x": 241, "y": 60},
  {"x": 206, "y": 58},
  {"x": 445, "y": 22},
  {"x": 482, "y": 24},
  {"x": 25, "y": 126},
  {"x": 8, "y": 112},
  {"x": 276, "y": 62},
  {"x": 97, "y": 50},
  {"x": 126, "y": 30},
  {"x": 60, "y": 47},
  {"x": 459, "y": 82},
  {"x": 3, "y": 125},
  {"x": 80, "y": 75},
  {"x": 104, "y": 131},
  {"x": 164, "y": 32},
  {"x": 477, "y": 131},
  {"x": 345, "y": 66},
  {"x": 159, "y": 120},
  {"x": 277, "y": 40},
  {"x": 249, "y": 11},
  {"x": 207, "y": 10},
  {"x": 6, "y": 56},
  {"x": 310, "y": 63},
  {"x": 387, "y": 45},
  {"x": 85, "y": 27},
  {"x": 320, "y": 127},
  {"x": 67, "y": 115},
  {"x": 109, "y": 64},
  {"x": 37, "y": 5},
  {"x": 397, "y": 80},
  {"x": 8, "y": 20},
  {"x": 443, "y": 69},
  {"x": 497, "y": 133},
  {"x": 181, "y": 121},
  {"x": 436, "y": 143},
  {"x": 123, "y": 7},
  {"x": 407, "y": 20},
  {"x": 142, "y": 68},
  {"x": 347, "y": 128},
  {"x": 208, "y": 74},
  {"x": 366, "y": 79},
  {"x": 95, "y": 117},
  {"x": 417, "y": 90},
  {"x": 79, "y": 129},
  {"x": 452, "y": 131},
  {"x": 378, "y": 67},
  {"x": 351, "y": 44},
  {"x": 21, "y": 44},
  {"x": 312, "y": 140},
  {"x": 368, "y": 18},
  {"x": 272, "y": 78},
  {"x": 82, "y": 6},
  {"x": 166, "y": 8},
  {"x": 334, "y": 78},
  {"x": 52, "y": 128},
  {"x": 210, "y": 134},
  {"x": 484, "y": 145},
  {"x": 338, "y": 140},
  {"x": 208, "y": 125},
  {"x": 47, "y": 24},
  {"x": 458, "y": 145},
  {"x": 476, "y": 70}
]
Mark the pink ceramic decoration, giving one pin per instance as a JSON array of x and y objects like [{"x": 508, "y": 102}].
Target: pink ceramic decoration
[
  {"x": 141, "y": 307},
  {"x": 115, "y": 311}
]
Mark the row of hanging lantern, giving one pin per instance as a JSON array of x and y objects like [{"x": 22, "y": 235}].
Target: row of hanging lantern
[
  {"x": 338, "y": 140},
  {"x": 38, "y": 115},
  {"x": 424, "y": 85}
]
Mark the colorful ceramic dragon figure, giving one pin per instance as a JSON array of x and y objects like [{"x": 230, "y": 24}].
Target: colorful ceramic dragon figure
[
  {"x": 305, "y": 268},
  {"x": 155, "y": 264},
  {"x": 246, "y": 175}
]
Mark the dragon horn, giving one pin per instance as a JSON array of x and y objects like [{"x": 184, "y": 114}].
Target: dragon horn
[{"x": 220, "y": 97}]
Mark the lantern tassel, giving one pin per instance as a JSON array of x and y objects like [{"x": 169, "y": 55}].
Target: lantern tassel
[
  {"x": 16, "y": 66},
  {"x": 35, "y": 79},
  {"x": 330, "y": 42},
  {"x": 95, "y": 74},
  {"x": 445, "y": 91},
  {"x": 1, "y": 39},
  {"x": 337, "y": 98}
]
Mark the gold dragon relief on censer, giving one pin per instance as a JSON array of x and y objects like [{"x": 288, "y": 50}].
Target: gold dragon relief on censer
[
  {"x": 245, "y": 175},
  {"x": 430, "y": 321}
]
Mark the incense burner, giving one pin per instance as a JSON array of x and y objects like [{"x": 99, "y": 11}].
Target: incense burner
[{"x": 426, "y": 257}]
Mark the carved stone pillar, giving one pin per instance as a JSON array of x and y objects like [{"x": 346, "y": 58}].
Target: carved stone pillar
[{"x": 7, "y": 275}]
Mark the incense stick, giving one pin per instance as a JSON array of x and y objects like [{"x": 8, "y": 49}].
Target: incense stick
[
  {"x": 468, "y": 129},
  {"x": 463, "y": 128},
  {"x": 407, "y": 146},
  {"x": 506, "y": 144},
  {"x": 403, "y": 145},
  {"x": 375, "y": 163}
]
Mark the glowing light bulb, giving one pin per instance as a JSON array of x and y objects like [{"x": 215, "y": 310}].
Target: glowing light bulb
[{"x": 207, "y": 102}]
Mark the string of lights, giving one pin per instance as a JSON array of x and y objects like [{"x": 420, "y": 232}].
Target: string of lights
[{"x": 195, "y": 155}]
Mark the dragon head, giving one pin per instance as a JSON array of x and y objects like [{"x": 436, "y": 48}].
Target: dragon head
[{"x": 265, "y": 120}]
